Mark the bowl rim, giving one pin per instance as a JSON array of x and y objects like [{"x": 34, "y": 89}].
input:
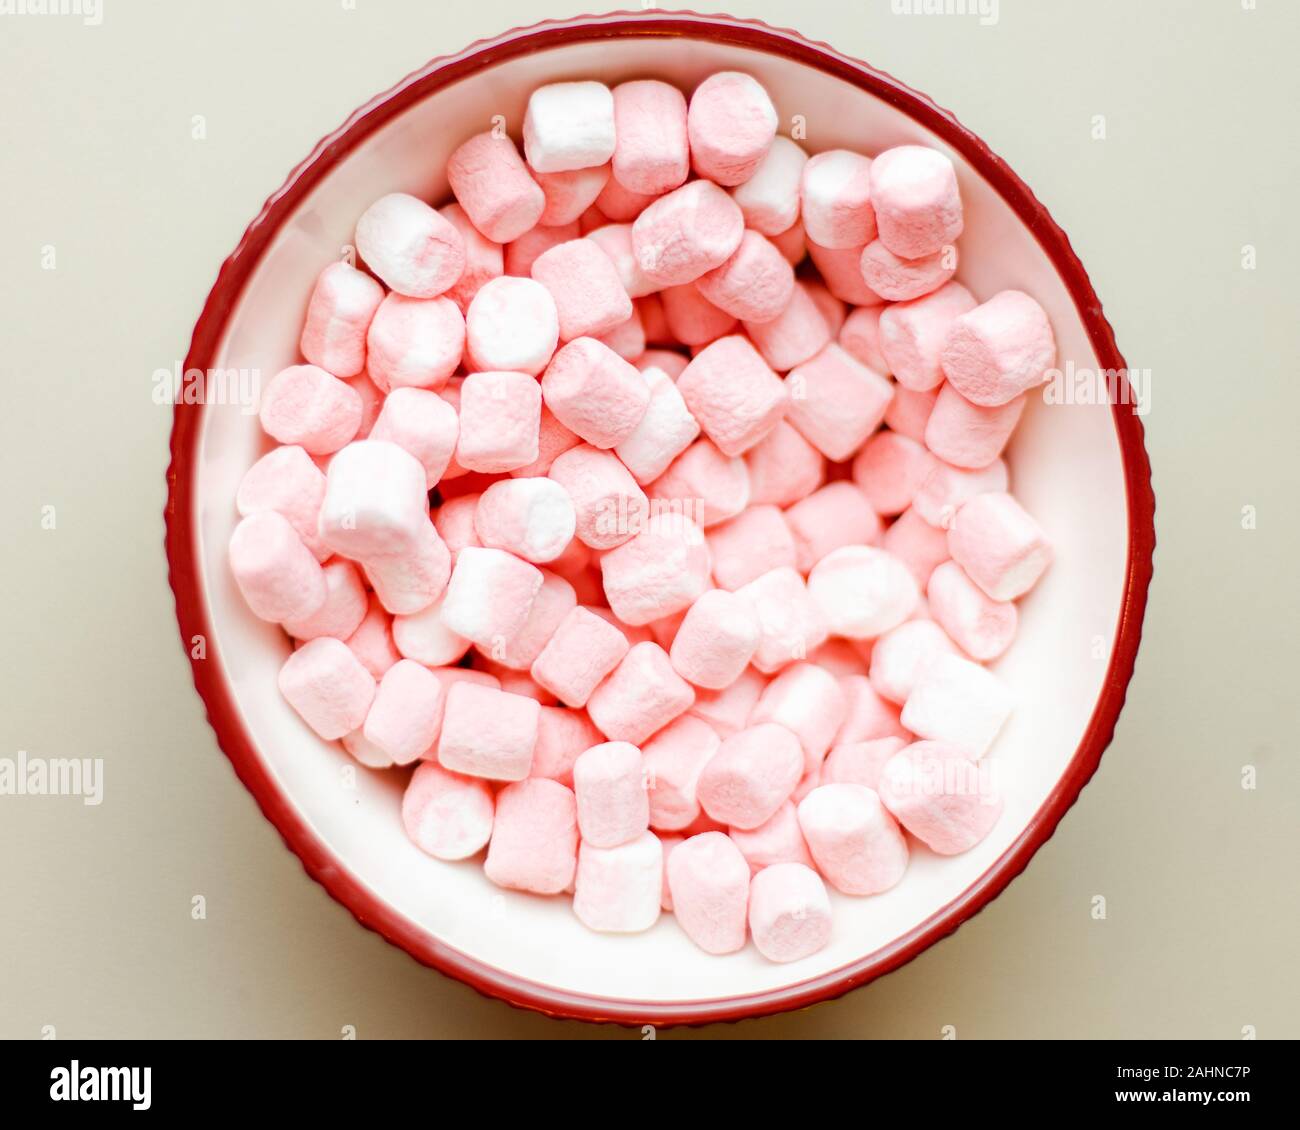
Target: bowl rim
[{"x": 185, "y": 573}]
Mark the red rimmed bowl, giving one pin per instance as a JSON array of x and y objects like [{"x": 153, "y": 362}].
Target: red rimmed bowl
[{"x": 1081, "y": 470}]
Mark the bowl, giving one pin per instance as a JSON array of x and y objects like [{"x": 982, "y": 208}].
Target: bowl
[{"x": 1082, "y": 470}]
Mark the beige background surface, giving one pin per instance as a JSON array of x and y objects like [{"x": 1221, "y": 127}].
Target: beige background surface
[{"x": 97, "y": 160}]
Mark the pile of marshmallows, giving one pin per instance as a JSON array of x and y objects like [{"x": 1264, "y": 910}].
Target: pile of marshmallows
[{"x": 587, "y": 511}]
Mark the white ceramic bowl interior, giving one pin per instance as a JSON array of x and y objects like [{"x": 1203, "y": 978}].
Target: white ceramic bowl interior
[{"x": 1065, "y": 466}]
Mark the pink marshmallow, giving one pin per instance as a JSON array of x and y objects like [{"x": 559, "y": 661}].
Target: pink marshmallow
[
  {"x": 856, "y": 843},
  {"x": 531, "y": 518},
  {"x": 769, "y": 199},
  {"x": 728, "y": 710},
  {"x": 493, "y": 185},
  {"x": 981, "y": 627},
  {"x": 344, "y": 608},
  {"x": 595, "y": 393},
  {"x": 999, "y": 545},
  {"x": 791, "y": 623},
  {"x": 917, "y": 544},
  {"x": 918, "y": 207},
  {"x": 651, "y": 154},
  {"x": 583, "y": 281},
  {"x": 627, "y": 339},
  {"x": 730, "y": 390},
  {"x": 945, "y": 800},
  {"x": 487, "y": 732},
  {"x": 562, "y": 737},
  {"x": 484, "y": 259},
  {"x": 568, "y": 195},
  {"x": 583, "y": 650},
  {"x": 751, "y": 776},
  {"x": 659, "y": 571},
  {"x": 415, "y": 342},
  {"x": 376, "y": 501},
  {"x": 500, "y": 415},
  {"x": 913, "y": 334},
  {"x": 859, "y": 763},
  {"x": 287, "y": 481},
  {"x": 783, "y": 467},
  {"x": 553, "y": 440},
  {"x": 554, "y": 601},
  {"x": 703, "y": 482},
  {"x": 968, "y": 435},
  {"x": 686, "y": 232},
  {"x": 372, "y": 642},
  {"x": 305, "y": 405},
  {"x": 413, "y": 249},
  {"x": 717, "y": 638},
  {"x": 958, "y": 702},
  {"x": 859, "y": 337},
  {"x": 868, "y": 716},
  {"x": 490, "y": 595},
  {"x": 423, "y": 423},
  {"x": 424, "y": 637},
  {"x": 731, "y": 123},
  {"x": 610, "y": 784},
  {"x": 534, "y": 844},
  {"x": 791, "y": 243},
  {"x": 795, "y": 335},
  {"x": 454, "y": 521},
  {"x": 664, "y": 432},
  {"x": 810, "y": 703},
  {"x": 1000, "y": 349},
  {"x": 835, "y": 200},
  {"x": 615, "y": 204},
  {"x": 754, "y": 542},
  {"x": 835, "y": 516},
  {"x": 609, "y": 505},
  {"x": 777, "y": 840},
  {"x": 615, "y": 240},
  {"x": 900, "y": 280},
  {"x": 338, "y": 314},
  {"x": 946, "y": 488},
  {"x": 755, "y": 283},
  {"x": 901, "y": 654},
  {"x": 890, "y": 469},
  {"x": 522, "y": 253},
  {"x": 841, "y": 657},
  {"x": 446, "y": 816},
  {"x": 406, "y": 713},
  {"x": 672, "y": 760},
  {"x": 836, "y": 402},
  {"x": 789, "y": 912},
  {"x": 619, "y": 889},
  {"x": 512, "y": 324},
  {"x": 708, "y": 880},
  {"x": 691, "y": 318},
  {"x": 909, "y": 411},
  {"x": 841, "y": 271},
  {"x": 413, "y": 578},
  {"x": 642, "y": 695},
  {"x": 324, "y": 682},
  {"x": 278, "y": 576}
]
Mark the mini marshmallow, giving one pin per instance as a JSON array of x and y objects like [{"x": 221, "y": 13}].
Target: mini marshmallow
[
  {"x": 890, "y": 469},
  {"x": 512, "y": 324},
  {"x": 371, "y": 403},
  {"x": 424, "y": 424},
  {"x": 344, "y": 608},
  {"x": 862, "y": 591},
  {"x": 562, "y": 737},
  {"x": 582, "y": 651},
  {"x": 609, "y": 782},
  {"x": 376, "y": 501},
  {"x": 754, "y": 542},
  {"x": 836, "y": 402},
  {"x": 534, "y": 844},
  {"x": 493, "y": 185},
  {"x": 531, "y": 518},
  {"x": 727, "y": 710},
  {"x": 868, "y": 716},
  {"x": 568, "y": 195},
  {"x": 500, "y": 415},
  {"x": 909, "y": 411},
  {"x": 627, "y": 339},
  {"x": 708, "y": 880},
  {"x": 1000, "y": 349},
  {"x": 790, "y": 621},
  {"x": 522, "y": 253},
  {"x": 406, "y": 713},
  {"x": 796, "y": 335},
  {"x": 651, "y": 154},
  {"x": 841, "y": 271},
  {"x": 615, "y": 240},
  {"x": 835, "y": 200},
  {"x": 807, "y": 701},
  {"x": 305, "y": 405},
  {"x": 856, "y": 842},
  {"x": 789, "y": 912},
  {"x": 946, "y": 488},
  {"x": 413, "y": 249},
  {"x": 730, "y": 390},
  {"x": 859, "y": 763},
  {"x": 944, "y": 799},
  {"x": 642, "y": 694},
  {"x": 342, "y": 304},
  {"x": 686, "y": 232},
  {"x": 958, "y": 702},
  {"x": 487, "y": 732},
  {"x": 999, "y": 545},
  {"x": 489, "y": 595},
  {"x": 918, "y": 207},
  {"x": 705, "y": 483},
  {"x": 755, "y": 283},
  {"x": 372, "y": 642},
  {"x": 899, "y": 280},
  {"x": 769, "y": 200},
  {"x": 324, "y": 682},
  {"x": 791, "y": 243},
  {"x": 588, "y": 293},
  {"x": 659, "y": 571},
  {"x": 609, "y": 505},
  {"x": 731, "y": 123},
  {"x": 716, "y": 640},
  {"x": 859, "y": 337},
  {"x": 615, "y": 204},
  {"x": 287, "y": 481},
  {"x": 554, "y": 601},
  {"x": 619, "y": 889},
  {"x": 917, "y": 544},
  {"x": 664, "y": 432},
  {"x": 981, "y": 627},
  {"x": 484, "y": 259},
  {"x": 414, "y": 578},
  {"x": 672, "y": 760},
  {"x": 835, "y": 516},
  {"x": 278, "y": 576},
  {"x": 569, "y": 125},
  {"x": 842, "y": 657},
  {"x": 691, "y": 318},
  {"x": 751, "y": 776},
  {"x": 424, "y": 637},
  {"x": 783, "y": 467},
  {"x": 968, "y": 435},
  {"x": 912, "y": 335},
  {"x": 454, "y": 521},
  {"x": 594, "y": 392},
  {"x": 415, "y": 342},
  {"x": 364, "y": 752},
  {"x": 902, "y": 653},
  {"x": 446, "y": 816},
  {"x": 832, "y": 310},
  {"x": 777, "y": 840}
]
